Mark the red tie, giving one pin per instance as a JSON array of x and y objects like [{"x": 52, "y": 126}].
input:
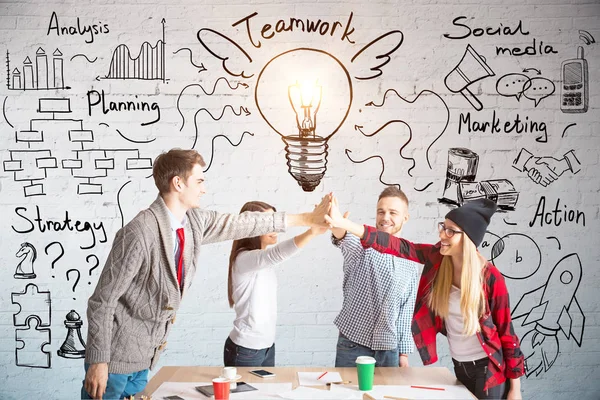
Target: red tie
[{"x": 180, "y": 272}]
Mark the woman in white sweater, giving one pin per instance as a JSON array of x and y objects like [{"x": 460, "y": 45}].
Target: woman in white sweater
[{"x": 252, "y": 292}]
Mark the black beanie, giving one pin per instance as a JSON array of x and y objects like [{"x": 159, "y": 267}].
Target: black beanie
[{"x": 473, "y": 218}]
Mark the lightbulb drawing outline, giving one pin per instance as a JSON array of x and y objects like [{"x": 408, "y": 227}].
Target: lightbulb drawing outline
[{"x": 306, "y": 156}]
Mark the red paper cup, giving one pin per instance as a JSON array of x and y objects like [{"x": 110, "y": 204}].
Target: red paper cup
[{"x": 221, "y": 388}]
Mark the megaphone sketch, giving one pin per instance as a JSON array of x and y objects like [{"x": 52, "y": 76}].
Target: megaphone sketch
[{"x": 471, "y": 68}]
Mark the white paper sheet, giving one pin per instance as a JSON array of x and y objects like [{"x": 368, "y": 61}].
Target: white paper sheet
[
  {"x": 188, "y": 392},
  {"x": 306, "y": 393},
  {"x": 310, "y": 378},
  {"x": 450, "y": 392}
]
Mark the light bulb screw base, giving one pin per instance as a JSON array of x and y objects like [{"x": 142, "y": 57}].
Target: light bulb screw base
[{"x": 306, "y": 159}]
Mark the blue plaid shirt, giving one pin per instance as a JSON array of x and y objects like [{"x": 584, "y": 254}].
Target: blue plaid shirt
[{"x": 379, "y": 297}]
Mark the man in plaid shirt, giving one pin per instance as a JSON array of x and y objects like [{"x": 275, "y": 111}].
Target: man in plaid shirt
[{"x": 379, "y": 293}]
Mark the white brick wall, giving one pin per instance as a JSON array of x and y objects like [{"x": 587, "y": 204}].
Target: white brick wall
[{"x": 310, "y": 285}]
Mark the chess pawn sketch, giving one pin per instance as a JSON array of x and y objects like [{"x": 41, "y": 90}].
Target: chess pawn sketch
[
  {"x": 25, "y": 267},
  {"x": 73, "y": 346}
]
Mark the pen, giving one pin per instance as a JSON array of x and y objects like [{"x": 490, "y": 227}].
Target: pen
[
  {"x": 338, "y": 383},
  {"x": 322, "y": 375},
  {"x": 426, "y": 387}
]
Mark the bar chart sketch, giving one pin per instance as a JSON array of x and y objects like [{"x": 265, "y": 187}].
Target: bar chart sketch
[{"x": 43, "y": 74}]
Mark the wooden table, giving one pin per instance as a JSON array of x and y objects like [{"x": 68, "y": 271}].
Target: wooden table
[{"x": 383, "y": 376}]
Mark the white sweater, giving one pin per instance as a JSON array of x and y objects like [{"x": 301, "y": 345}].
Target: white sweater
[{"x": 255, "y": 294}]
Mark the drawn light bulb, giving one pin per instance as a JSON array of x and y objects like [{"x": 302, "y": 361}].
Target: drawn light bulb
[{"x": 292, "y": 89}]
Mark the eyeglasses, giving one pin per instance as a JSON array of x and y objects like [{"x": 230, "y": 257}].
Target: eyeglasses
[{"x": 448, "y": 231}]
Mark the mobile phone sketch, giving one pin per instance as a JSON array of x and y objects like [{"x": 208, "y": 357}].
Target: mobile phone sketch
[{"x": 574, "y": 88}]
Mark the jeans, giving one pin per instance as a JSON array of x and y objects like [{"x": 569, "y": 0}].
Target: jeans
[
  {"x": 121, "y": 385},
  {"x": 240, "y": 356},
  {"x": 472, "y": 375},
  {"x": 347, "y": 351}
]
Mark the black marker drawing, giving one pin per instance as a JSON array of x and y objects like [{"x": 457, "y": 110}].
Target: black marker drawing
[
  {"x": 42, "y": 78},
  {"x": 119, "y": 202},
  {"x": 148, "y": 65},
  {"x": 461, "y": 184},
  {"x": 471, "y": 68},
  {"x": 25, "y": 268},
  {"x": 547, "y": 169},
  {"x": 422, "y": 92},
  {"x": 289, "y": 91},
  {"x": 555, "y": 238},
  {"x": 62, "y": 253},
  {"x": 410, "y": 135},
  {"x": 518, "y": 253},
  {"x": 208, "y": 93},
  {"x": 574, "y": 96},
  {"x": 509, "y": 223},
  {"x": 424, "y": 188},
  {"x": 73, "y": 345},
  {"x": 348, "y": 151},
  {"x": 4, "y": 112},
  {"x": 30, "y": 166},
  {"x": 212, "y": 146},
  {"x": 86, "y": 58},
  {"x": 548, "y": 310},
  {"x": 135, "y": 141},
  {"x": 96, "y": 263},
  {"x": 77, "y": 274},
  {"x": 30, "y": 345},
  {"x": 226, "y": 50},
  {"x": 200, "y": 67},
  {"x": 378, "y": 52},
  {"x": 586, "y": 37},
  {"x": 567, "y": 128},
  {"x": 241, "y": 110},
  {"x": 32, "y": 303},
  {"x": 517, "y": 85}
]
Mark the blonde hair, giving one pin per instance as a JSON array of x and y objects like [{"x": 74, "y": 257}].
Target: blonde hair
[{"x": 472, "y": 295}]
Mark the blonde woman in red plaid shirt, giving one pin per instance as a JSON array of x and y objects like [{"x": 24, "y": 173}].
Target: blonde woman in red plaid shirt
[{"x": 461, "y": 295}]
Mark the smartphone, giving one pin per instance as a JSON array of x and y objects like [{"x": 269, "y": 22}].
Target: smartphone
[
  {"x": 574, "y": 91},
  {"x": 262, "y": 373}
]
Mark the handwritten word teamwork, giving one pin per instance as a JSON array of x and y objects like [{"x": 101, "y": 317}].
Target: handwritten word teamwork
[{"x": 320, "y": 27}]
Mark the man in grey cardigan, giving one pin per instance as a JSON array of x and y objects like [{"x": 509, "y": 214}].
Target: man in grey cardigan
[{"x": 152, "y": 263}]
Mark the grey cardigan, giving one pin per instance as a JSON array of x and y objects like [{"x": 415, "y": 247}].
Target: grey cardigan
[{"x": 137, "y": 296}]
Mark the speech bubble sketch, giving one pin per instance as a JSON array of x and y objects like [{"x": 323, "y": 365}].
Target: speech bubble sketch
[
  {"x": 517, "y": 85},
  {"x": 512, "y": 85},
  {"x": 539, "y": 89}
]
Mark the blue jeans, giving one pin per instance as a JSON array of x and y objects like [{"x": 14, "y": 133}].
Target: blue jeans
[
  {"x": 347, "y": 351},
  {"x": 240, "y": 356},
  {"x": 121, "y": 385},
  {"x": 472, "y": 375}
]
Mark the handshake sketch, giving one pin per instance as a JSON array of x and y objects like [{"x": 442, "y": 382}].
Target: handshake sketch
[{"x": 545, "y": 170}]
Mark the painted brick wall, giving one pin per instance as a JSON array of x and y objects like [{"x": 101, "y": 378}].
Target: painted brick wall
[{"x": 64, "y": 150}]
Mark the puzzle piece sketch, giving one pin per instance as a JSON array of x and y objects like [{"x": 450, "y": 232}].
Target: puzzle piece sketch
[
  {"x": 30, "y": 345},
  {"x": 32, "y": 302}
]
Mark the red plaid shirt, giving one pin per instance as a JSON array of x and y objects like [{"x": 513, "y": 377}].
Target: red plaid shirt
[{"x": 497, "y": 336}]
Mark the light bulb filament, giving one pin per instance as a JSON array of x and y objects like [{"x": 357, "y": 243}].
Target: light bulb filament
[{"x": 305, "y": 97}]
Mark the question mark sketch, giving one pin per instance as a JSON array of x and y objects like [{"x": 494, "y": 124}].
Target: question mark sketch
[
  {"x": 87, "y": 259},
  {"x": 76, "y": 279},
  {"x": 62, "y": 253}
]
